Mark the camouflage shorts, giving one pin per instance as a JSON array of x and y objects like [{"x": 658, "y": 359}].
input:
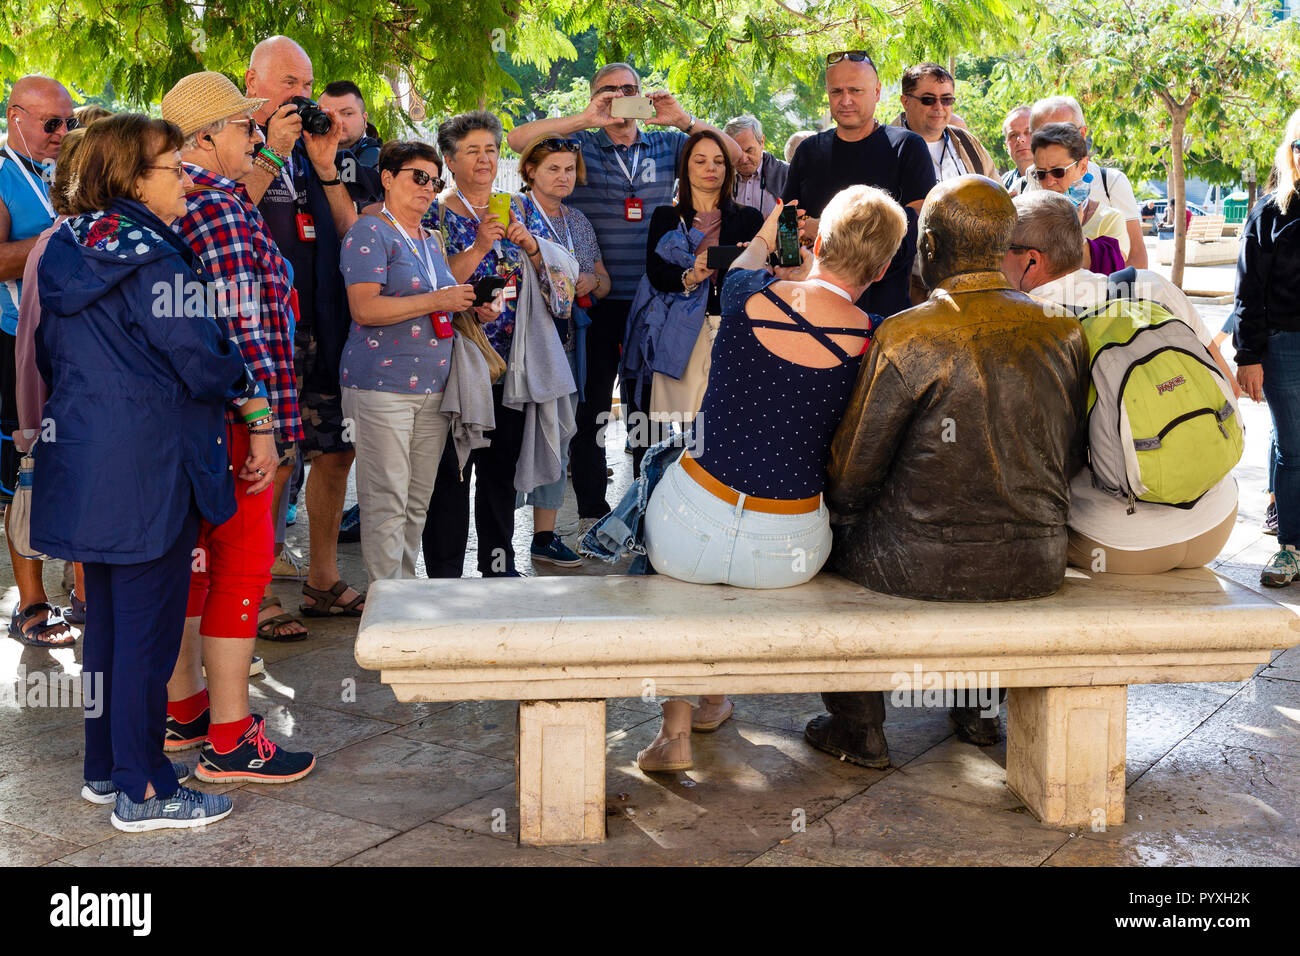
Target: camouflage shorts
[{"x": 322, "y": 413}]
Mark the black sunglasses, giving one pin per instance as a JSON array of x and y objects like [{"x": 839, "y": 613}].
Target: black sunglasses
[
  {"x": 929, "y": 99},
  {"x": 1056, "y": 172},
  {"x": 856, "y": 56},
  {"x": 559, "y": 145},
  {"x": 421, "y": 177},
  {"x": 628, "y": 89},
  {"x": 54, "y": 122}
]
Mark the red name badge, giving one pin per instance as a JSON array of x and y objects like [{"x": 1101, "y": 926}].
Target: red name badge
[
  {"x": 632, "y": 209},
  {"x": 441, "y": 325},
  {"x": 510, "y": 291},
  {"x": 306, "y": 227}
]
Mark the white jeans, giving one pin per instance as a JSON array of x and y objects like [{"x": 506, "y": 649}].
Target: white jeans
[
  {"x": 693, "y": 536},
  {"x": 399, "y": 441}
]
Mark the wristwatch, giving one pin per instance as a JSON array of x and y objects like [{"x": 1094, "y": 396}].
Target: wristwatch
[
  {"x": 336, "y": 181},
  {"x": 689, "y": 126}
]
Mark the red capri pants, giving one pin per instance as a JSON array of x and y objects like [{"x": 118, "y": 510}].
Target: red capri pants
[{"x": 232, "y": 561}]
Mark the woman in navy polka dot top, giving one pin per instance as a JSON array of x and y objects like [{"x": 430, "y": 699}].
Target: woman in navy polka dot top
[{"x": 742, "y": 506}]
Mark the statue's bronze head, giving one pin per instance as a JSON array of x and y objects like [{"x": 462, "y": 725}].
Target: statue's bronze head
[{"x": 965, "y": 226}]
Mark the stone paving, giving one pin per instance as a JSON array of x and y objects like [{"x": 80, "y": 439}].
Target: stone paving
[{"x": 1213, "y": 769}]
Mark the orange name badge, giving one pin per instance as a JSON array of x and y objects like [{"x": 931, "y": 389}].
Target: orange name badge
[
  {"x": 306, "y": 227},
  {"x": 632, "y": 209}
]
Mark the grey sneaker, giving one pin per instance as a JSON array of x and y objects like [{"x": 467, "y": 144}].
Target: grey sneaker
[
  {"x": 183, "y": 809},
  {"x": 103, "y": 792}
]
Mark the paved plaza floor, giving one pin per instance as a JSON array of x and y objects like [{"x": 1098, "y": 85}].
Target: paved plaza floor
[{"x": 1213, "y": 769}]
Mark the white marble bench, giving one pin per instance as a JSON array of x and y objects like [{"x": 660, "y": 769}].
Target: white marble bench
[{"x": 562, "y": 645}]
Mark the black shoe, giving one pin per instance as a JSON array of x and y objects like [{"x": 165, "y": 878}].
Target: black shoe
[
  {"x": 974, "y": 729},
  {"x": 254, "y": 760},
  {"x": 350, "y": 526},
  {"x": 185, "y": 736},
  {"x": 1269, "y": 527},
  {"x": 861, "y": 744}
]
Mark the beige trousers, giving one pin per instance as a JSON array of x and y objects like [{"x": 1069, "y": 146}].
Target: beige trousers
[
  {"x": 399, "y": 440},
  {"x": 1087, "y": 554}
]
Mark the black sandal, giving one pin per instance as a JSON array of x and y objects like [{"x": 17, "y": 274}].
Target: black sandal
[
  {"x": 35, "y": 635},
  {"x": 266, "y": 630}
]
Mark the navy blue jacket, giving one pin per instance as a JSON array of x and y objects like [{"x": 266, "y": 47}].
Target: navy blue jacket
[{"x": 133, "y": 434}]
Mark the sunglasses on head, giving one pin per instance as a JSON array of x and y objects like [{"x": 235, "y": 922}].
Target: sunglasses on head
[
  {"x": 421, "y": 177},
  {"x": 855, "y": 56},
  {"x": 52, "y": 124},
  {"x": 929, "y": 99},
  {"x": 1056, "y": 172},
  {"x": 628, "y": 89},
  {"x": 559, "y": 145}
]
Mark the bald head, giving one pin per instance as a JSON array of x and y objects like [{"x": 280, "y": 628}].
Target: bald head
[
  {"x": 965, "y": 226},
  {"x": 34, "y": 102},
  {"x": 278, "y": 69}
]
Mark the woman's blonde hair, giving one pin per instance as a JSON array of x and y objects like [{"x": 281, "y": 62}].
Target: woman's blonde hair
[
  {"x": 1284, "y": 164},
  {"x": 860, "y": 229}
]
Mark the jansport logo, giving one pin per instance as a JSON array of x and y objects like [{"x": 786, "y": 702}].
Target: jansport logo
[
  {"x": 75, "y": 909},
  {"x": 1170, "y": 385}
]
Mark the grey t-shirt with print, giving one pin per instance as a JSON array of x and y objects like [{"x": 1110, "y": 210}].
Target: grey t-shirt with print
[{"x": 404, "y": 357}]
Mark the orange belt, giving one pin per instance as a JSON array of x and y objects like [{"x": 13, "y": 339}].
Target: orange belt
[{"x": 772, "y": 506}]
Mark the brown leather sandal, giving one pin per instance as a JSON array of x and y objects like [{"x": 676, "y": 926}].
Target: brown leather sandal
[
  {"x": 266, "y": 629},
  {"x": 327, "y": 602}
]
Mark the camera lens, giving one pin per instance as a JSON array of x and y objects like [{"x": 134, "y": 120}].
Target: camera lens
[{"x": 313, "y": 117}]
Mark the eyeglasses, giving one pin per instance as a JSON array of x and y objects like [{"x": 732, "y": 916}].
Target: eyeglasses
[
  {"x": 422, "y": 178},
  {"x": 559, "y": 145},
  {"x": 1056, "y": 172},
  {"x": 52, "y": 124},
  {"x": 254, "y": 132},
  {"x": 855, "y": 56},
  {"x": 178, "y": 169},
  {"x": 929, "y": 99},
  {"x": 1018, "y": 249},
  {"x": 628, "y": 89}
]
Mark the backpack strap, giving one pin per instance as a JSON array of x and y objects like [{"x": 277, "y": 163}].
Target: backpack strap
[
  {"x": 1105, "y": 184},
  {"x": 1122, "y": 285}
]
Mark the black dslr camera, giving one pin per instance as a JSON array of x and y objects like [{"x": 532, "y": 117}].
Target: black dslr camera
[{"x": 314, "y": 119}]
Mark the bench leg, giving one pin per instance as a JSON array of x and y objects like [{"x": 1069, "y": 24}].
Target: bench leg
[
  {"x": 1065, "y": 753},
  {"x": 560, "y": 772}
]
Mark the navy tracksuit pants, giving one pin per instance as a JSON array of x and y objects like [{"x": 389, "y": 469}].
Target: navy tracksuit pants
[{"x": 135, "y": 615}]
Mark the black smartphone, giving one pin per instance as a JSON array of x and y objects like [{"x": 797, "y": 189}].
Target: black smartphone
[
  {"x": 787, "y": 237},
  {"x": 486, "y": 288},
  {"x": 720, "y": 258}
]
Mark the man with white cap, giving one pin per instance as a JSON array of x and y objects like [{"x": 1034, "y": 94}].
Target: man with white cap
[{"x": 251, "y": 291}]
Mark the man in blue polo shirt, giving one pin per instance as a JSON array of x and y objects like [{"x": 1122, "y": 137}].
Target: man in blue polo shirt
[
  {"x": 39, "y": 114},
  {"x": 629, "y": 174}
]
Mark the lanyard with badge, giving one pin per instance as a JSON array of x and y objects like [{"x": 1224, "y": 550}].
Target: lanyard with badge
[
  {"x": 41, "y": 194},
  {"x": 441, "y": 320},
  {"x": 550, "y": 227},
  {"x": 512, "y": 282},
  {"x": 633, "y": 208},
  {"x": 302, "y": 219}
]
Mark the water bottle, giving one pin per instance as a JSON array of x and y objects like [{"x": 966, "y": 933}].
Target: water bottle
[{"x": 1080, "y": 190}]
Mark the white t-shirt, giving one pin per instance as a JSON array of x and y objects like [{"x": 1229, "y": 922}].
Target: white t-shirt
[
  {"x": 1098, "y": 515},
  {"x": 1116, "y": 191},
  {"x": 943, "y": 154}
]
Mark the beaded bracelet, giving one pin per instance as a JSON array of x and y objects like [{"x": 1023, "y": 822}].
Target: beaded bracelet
[
  {"x": 260, "y": 422},
  {"x": 262, "y": 431},
  {"x": 272, "y": 156}
]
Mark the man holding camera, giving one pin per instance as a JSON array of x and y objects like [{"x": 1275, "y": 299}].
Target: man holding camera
[
  {"x": 629, "y": 174},
  {"x": 298, "y": 188},
  {"x": 358, "y": 158}
]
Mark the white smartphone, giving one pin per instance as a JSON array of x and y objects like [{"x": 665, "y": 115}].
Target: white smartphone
[{"x": 638, "y": 107}]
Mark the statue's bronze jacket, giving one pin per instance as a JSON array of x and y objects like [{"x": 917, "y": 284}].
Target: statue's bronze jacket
[{"x": 949, "y": 475}]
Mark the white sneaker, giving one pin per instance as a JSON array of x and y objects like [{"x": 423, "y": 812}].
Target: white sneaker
[{"x": 289, "y": 566}]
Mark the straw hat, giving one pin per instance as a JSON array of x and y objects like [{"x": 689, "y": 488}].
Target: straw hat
[{"x": 202, "y": 99}]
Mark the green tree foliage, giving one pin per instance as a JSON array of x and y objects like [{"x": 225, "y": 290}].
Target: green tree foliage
[{"x": 1165, "y": 85}]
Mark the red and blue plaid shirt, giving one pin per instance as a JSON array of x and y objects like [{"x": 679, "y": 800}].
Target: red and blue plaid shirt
[{"x": 224, "y": 227}]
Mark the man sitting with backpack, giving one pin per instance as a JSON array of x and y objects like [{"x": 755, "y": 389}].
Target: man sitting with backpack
[{"x": 1163, "y": 427}]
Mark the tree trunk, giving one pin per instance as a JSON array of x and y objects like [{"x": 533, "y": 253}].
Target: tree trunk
[
  {"x": 1178, "y": 195},
  {"x": 1252, "y": 186}
]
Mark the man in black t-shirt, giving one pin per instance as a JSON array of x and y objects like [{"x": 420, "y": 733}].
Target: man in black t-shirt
[{"x": 859, "y": 150}]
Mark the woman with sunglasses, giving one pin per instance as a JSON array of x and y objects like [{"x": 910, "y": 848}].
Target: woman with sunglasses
[
  {"x": 1060, "y": 164},
  {"x": 402, "y": 293},
  {"x": 138, "y": 390},
  {"x": 550, "y": 169},
  {"x": 1267, "y": 339}
]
